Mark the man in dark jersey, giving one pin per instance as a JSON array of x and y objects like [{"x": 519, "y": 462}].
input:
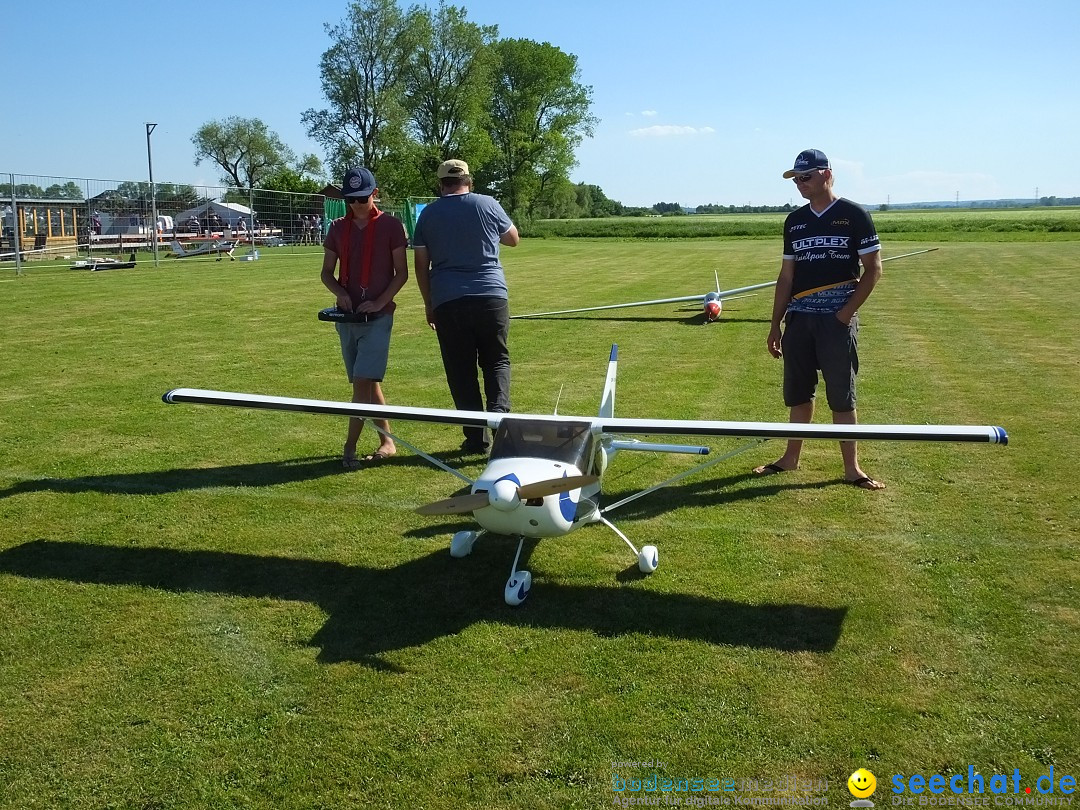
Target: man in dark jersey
[{"x": 818, "y": 295}]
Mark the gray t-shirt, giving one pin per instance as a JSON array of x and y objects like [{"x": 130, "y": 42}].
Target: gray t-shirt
[{"x": 461, "y": 233}]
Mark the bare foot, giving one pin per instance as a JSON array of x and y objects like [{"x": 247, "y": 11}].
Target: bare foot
[{"x": 865, "y": 482}]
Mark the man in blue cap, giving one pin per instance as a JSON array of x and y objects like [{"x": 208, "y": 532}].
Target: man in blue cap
[
  {"x": 370, "y": 248},
  {"x": 818, "y": 295}
]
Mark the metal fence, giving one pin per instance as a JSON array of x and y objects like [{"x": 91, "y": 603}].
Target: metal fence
[{"x": 51, "y": 220}]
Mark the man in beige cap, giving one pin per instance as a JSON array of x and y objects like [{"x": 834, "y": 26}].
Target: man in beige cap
[{"x": 456, "y": 260}]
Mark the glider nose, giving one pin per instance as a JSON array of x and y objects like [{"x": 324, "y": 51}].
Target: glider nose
[{"x": 712, "y": 310}]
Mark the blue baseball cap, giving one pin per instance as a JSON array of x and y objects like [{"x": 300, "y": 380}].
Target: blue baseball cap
[
  {"x": 808, "y": 161},
  {"x": 358, "y": 182}
]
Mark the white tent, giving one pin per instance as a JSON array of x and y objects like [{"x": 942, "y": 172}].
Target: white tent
[{"x": 229, "y": 213}]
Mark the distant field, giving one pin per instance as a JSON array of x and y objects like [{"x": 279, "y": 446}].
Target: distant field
[
  {"x": 943, "y": 225},
  {"x": 201, "y": 610}
]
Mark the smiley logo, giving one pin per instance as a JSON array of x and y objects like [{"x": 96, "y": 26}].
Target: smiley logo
[{"x": 861, "y": 783}]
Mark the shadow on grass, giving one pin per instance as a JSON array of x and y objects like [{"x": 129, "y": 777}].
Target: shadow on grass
[
  {"x": 375, "y": 611},
  {"x": 259, "y": 474},
  {"x": 707, "y": 492}
]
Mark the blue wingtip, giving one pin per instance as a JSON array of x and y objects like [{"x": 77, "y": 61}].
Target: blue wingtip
[
  {"x": 614, "y": 352},
  {"x": 1001, "y": 436}
]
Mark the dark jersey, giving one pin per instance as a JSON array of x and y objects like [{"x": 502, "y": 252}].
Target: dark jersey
[{"x": 826, "y": 248}]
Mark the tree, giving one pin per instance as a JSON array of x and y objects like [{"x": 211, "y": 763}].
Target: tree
[
  {"x": 246, "y": 150},
  {"x": 363, "y": 80},
  {"x": 539, "y": 114},
  {"x": 448, "y": 88},
  {"x": 69, "y": 191}
]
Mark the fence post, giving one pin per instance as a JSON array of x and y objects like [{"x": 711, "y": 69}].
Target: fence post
[{"x": 15, "y": 240}]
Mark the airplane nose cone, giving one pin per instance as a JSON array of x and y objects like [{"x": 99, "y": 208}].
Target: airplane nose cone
[
  {"x": 712, "y": 310},
  {"x": 504, "y": 495}
]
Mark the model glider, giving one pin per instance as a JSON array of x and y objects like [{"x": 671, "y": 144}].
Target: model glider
[
  {"x": 104, "y": 263},
  {"x": 544, "y": 474},
  {"x": 212, "y": 248},
  {"x": 711, "y": 302}
]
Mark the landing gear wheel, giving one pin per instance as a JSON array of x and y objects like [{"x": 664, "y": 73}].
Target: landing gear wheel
[
  {"x": 647, "y": 559},
  {"x": 461, "y": 544},
  {"x": 517, "y": 588}
]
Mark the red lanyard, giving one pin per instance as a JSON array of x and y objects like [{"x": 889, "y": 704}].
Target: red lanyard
[{"x": 369, "y": 249}]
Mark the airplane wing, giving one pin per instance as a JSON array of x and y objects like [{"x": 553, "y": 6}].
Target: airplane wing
[
  {"x": 788, "y": 430},
  {"x": 668, "y": 427},
  {"x": 724, "y": 295}
]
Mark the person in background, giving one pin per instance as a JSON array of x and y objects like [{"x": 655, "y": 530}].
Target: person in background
[
  {"x": 369, "y": 248},
  {"x": 456, "y": 259},
  {"x": 818, "y": 295}
]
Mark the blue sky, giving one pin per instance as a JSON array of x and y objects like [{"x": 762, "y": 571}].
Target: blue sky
[{"x": 698, "y": 102}]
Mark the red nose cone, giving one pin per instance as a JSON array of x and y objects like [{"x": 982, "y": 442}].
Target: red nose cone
[{"x": 712, "y": 310}]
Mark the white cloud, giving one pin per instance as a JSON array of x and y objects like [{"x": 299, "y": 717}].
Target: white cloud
[
  {"x": 649, "y": 113},
  {"x": 664, "y": 131}
]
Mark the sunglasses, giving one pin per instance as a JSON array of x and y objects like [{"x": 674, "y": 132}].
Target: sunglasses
[
  {"x": 805, "y": 178},
  {"x": 360, "y": 200}
]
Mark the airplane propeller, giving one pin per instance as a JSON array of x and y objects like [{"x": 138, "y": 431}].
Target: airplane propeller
[{"x": 505, "y": 495}]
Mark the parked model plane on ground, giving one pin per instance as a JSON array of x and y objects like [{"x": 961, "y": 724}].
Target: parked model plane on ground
[
  {"x": 213, "y": 247},
  {"x": 543, "y": 478}
]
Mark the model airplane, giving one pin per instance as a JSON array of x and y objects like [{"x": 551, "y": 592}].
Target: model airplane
[
  {"x": 214, "y": 247},
  {"x": 544, "y": 474},
  {"x": 104, "y": 263},
  {"x": 711, "y": 302}
]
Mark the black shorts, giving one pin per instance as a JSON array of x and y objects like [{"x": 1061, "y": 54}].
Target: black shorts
[{"x": 813, "y": 342}]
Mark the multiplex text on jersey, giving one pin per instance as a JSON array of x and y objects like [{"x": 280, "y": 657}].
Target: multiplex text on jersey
[{"x": 826, "y": 248}]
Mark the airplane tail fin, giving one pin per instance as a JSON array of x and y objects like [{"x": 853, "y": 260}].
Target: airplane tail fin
[
  {"x": 177, "y": 248},
  {"x": 716, "y": 275},
  {"x": 607, "y": 401}
]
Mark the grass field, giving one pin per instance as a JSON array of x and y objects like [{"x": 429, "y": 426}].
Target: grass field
[{"x": 203, "y": 611}]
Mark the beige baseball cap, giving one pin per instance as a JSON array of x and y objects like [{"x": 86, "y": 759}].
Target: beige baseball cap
[{"x": 453, "y": 168}]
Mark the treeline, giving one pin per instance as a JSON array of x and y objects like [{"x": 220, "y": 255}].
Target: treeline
[
  {"x": 118, "y": 200},
  {"x": 584, "y": 201}
]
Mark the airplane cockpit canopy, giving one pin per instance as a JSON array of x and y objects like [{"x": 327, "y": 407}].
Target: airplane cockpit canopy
[{"x": 566, "y": 441}]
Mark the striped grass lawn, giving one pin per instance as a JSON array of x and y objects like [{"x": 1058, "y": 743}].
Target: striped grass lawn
[{"x": 203, "y": 611}]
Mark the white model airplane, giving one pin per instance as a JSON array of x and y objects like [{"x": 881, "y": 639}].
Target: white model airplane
[
  {"x": 213, "y": 247},
  {"x": 711, "y": 302},
  {"x": 543, "y": 477}
]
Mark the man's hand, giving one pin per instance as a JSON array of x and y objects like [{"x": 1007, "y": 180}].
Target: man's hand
[
  {"x": 429, "y": 313},
  {"x": 344, "y": 302},
  {"x": 773, "y": 342},
  {"x": 370, "y": 306}
]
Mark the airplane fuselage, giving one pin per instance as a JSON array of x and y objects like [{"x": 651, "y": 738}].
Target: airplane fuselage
[
  {"x": 713, "y": 306},
  {"x": 549, "y": 516}
]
